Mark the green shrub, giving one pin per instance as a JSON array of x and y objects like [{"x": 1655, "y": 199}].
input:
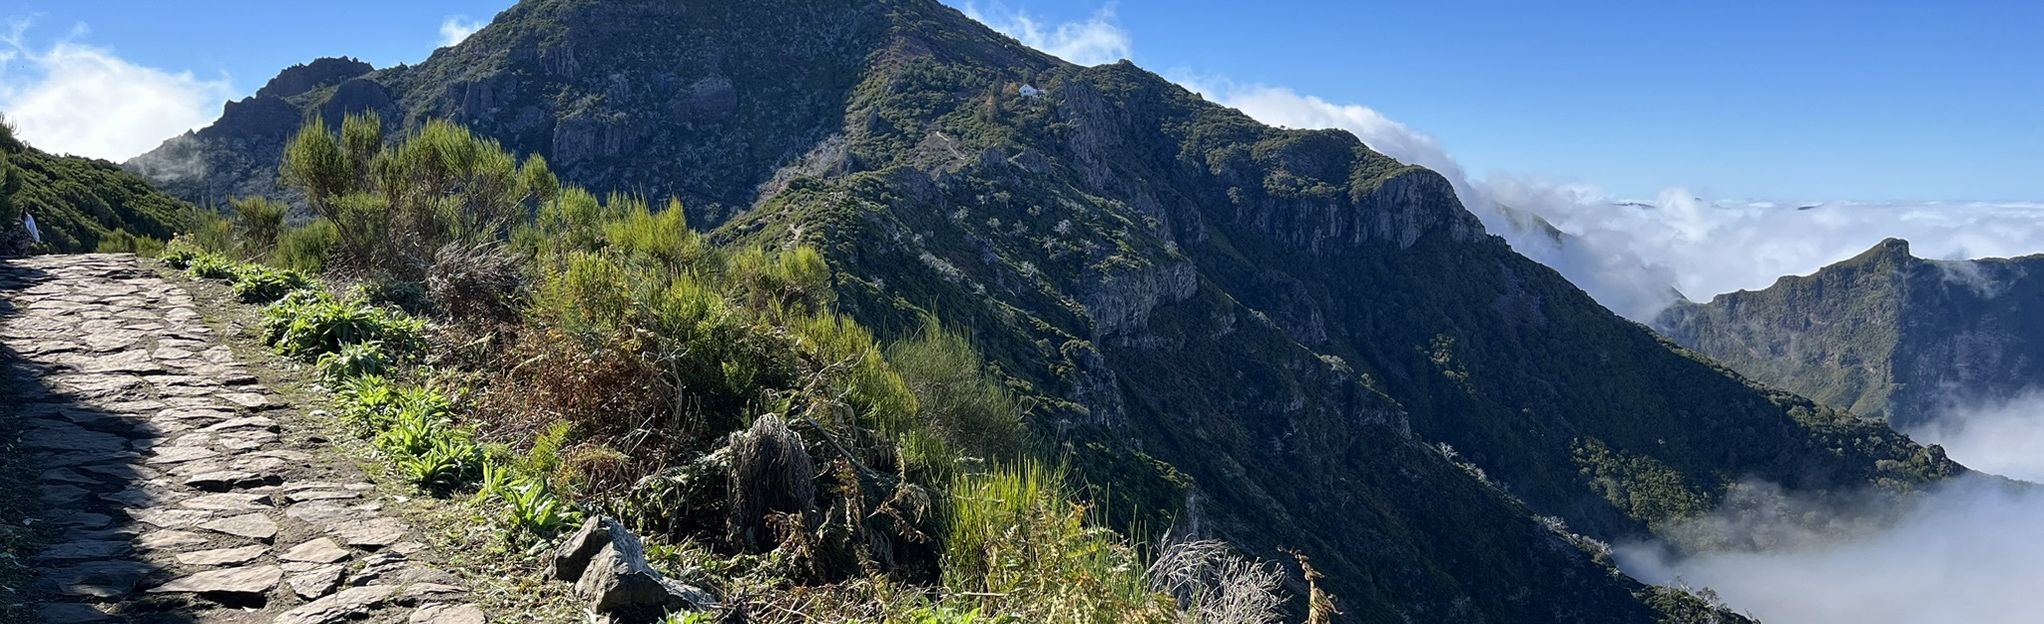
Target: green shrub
[
  {"x": 354, "y": 361},
  {"x": 305, "y": 248},
  {"x": 209, "y": 266},
  {"x": 956, "y": 401},
  {"x": 408, "y": 296},
  {"x": 309, "y": 323},
  {"x": 179, "y": 253},
  {"x": 260, "y": 284},
  {"x": 258, "y": 223},
  {"x": 120, "y": 241}
]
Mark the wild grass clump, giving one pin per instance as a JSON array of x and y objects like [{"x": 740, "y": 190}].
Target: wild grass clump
[
  {"x": 121, "y": 241},
  {"x": 1213, "y": 584},
  {"x": 771, "y": 474},
  {"x": 1017, "y": 544}
]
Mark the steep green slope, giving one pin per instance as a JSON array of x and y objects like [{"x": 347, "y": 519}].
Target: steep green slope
[
  {"x": 77, "y": 201},
  {"x": 1884, "y": 333},
  {"x": 1278, "y": 337}
]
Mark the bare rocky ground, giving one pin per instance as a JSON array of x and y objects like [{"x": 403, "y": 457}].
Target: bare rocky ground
[{"x": 170, "y": 490}]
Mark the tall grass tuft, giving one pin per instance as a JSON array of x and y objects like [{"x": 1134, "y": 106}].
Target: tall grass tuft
[{"x": 1017, "y": 544}]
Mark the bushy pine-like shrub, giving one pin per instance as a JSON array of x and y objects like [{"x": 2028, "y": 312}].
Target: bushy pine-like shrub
[
  {"x": 305, "y": 248},
  {"x": 957, "y": 402}
]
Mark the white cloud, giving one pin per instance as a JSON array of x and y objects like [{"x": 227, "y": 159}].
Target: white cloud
[
  {"x": 81, "y": 99},
  {"x": 1633, "y": 256},
  {"x": 457, "y": 28},
  {"x": 1966, "y": 551},
  {"x": 2004, "y": 437},
  {"x": 1600, "y": 263},
  {"x": 1097, "y": 39}
]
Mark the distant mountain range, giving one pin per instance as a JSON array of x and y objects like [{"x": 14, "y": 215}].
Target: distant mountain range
[
  {"x": 1278, "y": 337},
  {"x": 1884, "y": 334}
]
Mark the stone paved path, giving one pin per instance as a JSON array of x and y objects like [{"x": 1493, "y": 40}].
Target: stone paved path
[{"x": 163, "y": 469}]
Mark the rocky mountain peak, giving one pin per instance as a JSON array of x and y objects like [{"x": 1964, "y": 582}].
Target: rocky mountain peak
[{"x": 298, "y": 79}]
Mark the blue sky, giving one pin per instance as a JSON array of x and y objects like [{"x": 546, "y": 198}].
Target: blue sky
[{"x": 1774, "y": 100}]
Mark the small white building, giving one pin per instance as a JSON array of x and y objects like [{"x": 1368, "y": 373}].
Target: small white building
[{"x": 1031, "y": 91}]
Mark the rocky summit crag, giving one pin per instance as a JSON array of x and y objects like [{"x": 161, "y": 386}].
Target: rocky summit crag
[
  {"x": 1884, "y": 333},
  {"x": 1278, "y": 337}
]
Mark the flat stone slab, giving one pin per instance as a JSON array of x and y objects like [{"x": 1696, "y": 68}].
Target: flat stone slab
[
  {"x": 73, "y": 613},
  {"x": 318, "y": 581},
  {"x": 99, "y": 579},
  {"x": 84, "y": 550},
  {"x": 222, "y": 556},
  {"x": 227, "y": 502},
  {"x": 247, "y": 580},
  {"x": 372, "y": 534},
  {"x": 253, "y": 526},
  {"x": 171, "y": 539},
  {"x": 171, "y": 518},
  {"x": 320, "y": 550},
  {"x": 340, "y": 607}
]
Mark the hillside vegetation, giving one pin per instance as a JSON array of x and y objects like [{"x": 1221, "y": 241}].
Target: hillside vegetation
[
  {"x": 1279, "y": 339},
  {"x": 80, "y": 204},
  {"x": 561, "y": 355}
]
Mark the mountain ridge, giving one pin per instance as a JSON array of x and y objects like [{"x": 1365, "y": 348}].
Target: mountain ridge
[
  {"x": 1884, "y": 333},
  {"x": 1200, "y": 309}
]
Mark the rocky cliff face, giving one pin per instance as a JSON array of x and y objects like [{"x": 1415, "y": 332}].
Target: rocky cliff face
[
  {"x": 1884, "y": 334},
  {"x": 1284, "y": 325}
]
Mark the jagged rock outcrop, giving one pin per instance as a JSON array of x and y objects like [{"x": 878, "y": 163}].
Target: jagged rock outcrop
[
  {"x": 298, "y": 79},
  {"x": 1883, "y": 334}
]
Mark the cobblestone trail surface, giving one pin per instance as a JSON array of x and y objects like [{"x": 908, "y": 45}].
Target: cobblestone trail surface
[{"x": 165, "y": 474}]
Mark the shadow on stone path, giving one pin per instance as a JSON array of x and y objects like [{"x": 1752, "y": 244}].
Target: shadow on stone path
[{"x": 170, "y": 493}]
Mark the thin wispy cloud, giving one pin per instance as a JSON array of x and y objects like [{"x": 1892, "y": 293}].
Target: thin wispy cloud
[
  {"x": 1093, "y": 41},
  {"x": 456, "y": 29},
  {"x": 76, "y": 98}
]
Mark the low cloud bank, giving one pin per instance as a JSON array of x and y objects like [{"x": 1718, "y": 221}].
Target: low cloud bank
[
  {"x": 2004, "y": 437},
  {"x": 1965, "y": 551}
]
